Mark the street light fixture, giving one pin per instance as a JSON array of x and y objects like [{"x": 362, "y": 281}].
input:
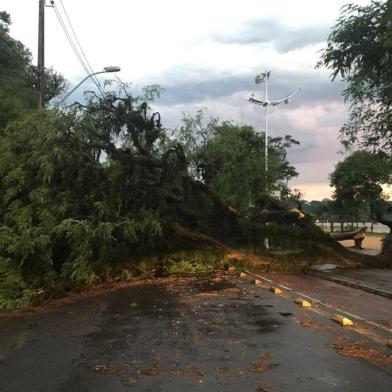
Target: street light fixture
[
  {"x": 105, "y": 70},
  {"x": 260, "y": 78}
]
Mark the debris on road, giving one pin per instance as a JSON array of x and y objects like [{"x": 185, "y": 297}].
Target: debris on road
[
  {"x": 359, "y": 351},
  {"x": 262, "y": 367}
]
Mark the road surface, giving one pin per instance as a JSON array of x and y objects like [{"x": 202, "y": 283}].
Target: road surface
[{"x": 213, "y": 333}]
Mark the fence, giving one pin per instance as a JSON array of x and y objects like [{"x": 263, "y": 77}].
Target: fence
[{"x": 337, "y": 226}]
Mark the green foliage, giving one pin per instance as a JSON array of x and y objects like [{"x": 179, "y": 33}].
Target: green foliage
[
  {"x": 18, "y": 77},
  {"x": 357, "y": 181},
  {"x": 193, "y": 261},
  {"x": 54, "y": 213},
  {"x": 230, "y": 159},
  {"x": 359, "y": 50}
]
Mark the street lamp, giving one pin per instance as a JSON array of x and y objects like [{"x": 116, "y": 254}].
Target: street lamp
[
  {"x": 260, "y": 78},
  {"x": 105, "y": 70}
]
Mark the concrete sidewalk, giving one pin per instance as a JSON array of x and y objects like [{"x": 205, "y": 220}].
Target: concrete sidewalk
[{"x": 375, "y": 281}]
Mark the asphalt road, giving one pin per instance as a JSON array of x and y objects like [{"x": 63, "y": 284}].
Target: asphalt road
[{"x": 215, "y": 333}]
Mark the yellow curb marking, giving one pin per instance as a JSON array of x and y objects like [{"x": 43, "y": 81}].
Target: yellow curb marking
[
  {"x": 303, "y": 303},
  {"x": 258, "y": 282},
  {"x": 276, "y": 290},
  {"x": 342, "y": 320}
]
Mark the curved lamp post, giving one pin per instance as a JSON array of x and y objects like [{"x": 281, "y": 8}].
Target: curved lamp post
[{"x": 105, "y": 70}]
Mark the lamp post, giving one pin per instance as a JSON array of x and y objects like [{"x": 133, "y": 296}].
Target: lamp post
[
  {"x": 105, "y": 70},
  {"x": 260, "y": 78}
]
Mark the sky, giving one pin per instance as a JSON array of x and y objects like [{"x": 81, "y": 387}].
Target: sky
[{"x": 206, "y": 54}]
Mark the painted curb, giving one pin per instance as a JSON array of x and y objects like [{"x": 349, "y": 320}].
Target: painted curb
[
  {"x": 303, "y": 303},
  {"x": 342, "y": 320}
]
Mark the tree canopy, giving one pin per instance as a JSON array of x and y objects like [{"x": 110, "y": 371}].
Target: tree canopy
[
  {"x": 358, "y": 183},
  {"x": 230, "y": 159},
  {"x": 18, "y": 78},
  {"x": 359, "y": 50}
]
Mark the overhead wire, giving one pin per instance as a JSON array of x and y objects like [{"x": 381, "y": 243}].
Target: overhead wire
[
  {"x": 78, "y": 43},
  {"x": 73, "y": 46}
]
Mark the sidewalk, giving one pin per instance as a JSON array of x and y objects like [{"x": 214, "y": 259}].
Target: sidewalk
[
  {"x": 375, "y": 281},
  {"x": 371, "y": 307}
]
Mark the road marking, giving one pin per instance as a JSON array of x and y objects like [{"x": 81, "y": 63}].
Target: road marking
[{"x": 337, "y": 310}]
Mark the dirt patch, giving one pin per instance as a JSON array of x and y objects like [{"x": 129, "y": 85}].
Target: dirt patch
[
  {"x": 262, "y": 367},
  {"x": 371, "y": 242},
  {"x": 357, "y": 350},
  {"x": 253, "y": 259},
  {"x": 320, "y": 327},
  {"x": 105, "y": 369},
  {"x": 208, "y": 294},
  {"x": 194, "y": 371}
]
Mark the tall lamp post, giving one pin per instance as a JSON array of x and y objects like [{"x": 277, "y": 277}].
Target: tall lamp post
[
  {"x": 105, "y": 70},
  {"x": 260, "y": 78}
]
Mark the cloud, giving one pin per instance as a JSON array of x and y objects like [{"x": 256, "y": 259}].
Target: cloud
[
  {"x": 206, "y": 83},
  {"x": 270, "y": 31}
]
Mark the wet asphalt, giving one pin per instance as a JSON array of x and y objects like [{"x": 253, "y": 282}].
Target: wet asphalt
[{"x": 211, "y": 333}]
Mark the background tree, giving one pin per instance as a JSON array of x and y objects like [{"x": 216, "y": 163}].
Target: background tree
[
  {"x": 359, "y": 50},
  {"x": 229, "y": 158},
  {"x": 358, "y": 183},
  {"x": 18, "y": 78}
]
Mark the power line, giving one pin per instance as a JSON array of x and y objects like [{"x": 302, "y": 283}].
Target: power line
[
  {"x": 78, "y": 43},
  {"x": 69, "y": 38},
  {"x": 72, "y": 44}
]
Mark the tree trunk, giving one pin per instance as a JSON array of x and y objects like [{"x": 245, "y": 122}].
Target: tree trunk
[
  {"x": 358, "y": 236},
  {"x": 189, "y": 235}
]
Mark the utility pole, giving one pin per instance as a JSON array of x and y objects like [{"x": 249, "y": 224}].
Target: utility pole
[{"x": 41, "y": 53}]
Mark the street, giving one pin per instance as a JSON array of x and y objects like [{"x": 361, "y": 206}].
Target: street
[{"x": 216, "y": 332}]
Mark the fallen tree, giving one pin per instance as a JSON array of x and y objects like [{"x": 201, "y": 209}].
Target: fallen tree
[{"x": 358, "y": 236}]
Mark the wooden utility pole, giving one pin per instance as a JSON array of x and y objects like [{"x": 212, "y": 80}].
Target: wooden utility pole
[{"x": 41, "y": 53}]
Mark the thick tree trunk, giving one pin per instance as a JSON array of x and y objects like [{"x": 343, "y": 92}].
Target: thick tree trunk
[
  {"x": 291, "y": 216},
  {"x": 222, "y": 205},
  {"x": 358, "y": 236},
  {"x": 189, "y": 235}
]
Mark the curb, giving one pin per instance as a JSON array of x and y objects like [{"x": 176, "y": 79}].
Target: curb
[
  {"x": 372, "y": 290},
  {"x": 322, "y": 303}
]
